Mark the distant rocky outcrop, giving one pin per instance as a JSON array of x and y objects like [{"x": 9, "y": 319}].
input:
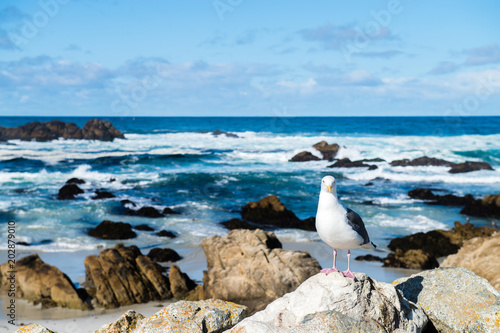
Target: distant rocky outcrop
[
  {"x": 271, "y": 211},
  {"x": 422, "y": 161},
  {"x": 304, "y": 156},
  {"x": 488, "y": 206},
  {"x": 122, "y": 276},
  {"x": 480, "y": 255},
  {"x": 453, "y": 299},
  {"x": 69, "y": 191},
  {"x": 147, "y": 211},
  {"x": 101, "y": 194},
  {"x": 94, "y": 129},
  {"x": 227, "y": 134},
  {"x": 209, "y": 316},
  {"x": 112, "y": 230},
  {"x": 238, "y": 224},
  {"x": 249, "y": 267},
  {"x": 469, "y": 166},
  {"x": 444, "y": 200},
  {"x": 347, "y": 163},
  {"x": 332, "y": 303},
  {"x": 327, "y": 151},
  {"x": 39, "y": 282}
]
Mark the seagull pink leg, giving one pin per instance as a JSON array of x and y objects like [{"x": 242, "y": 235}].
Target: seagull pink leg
[
  {"x": 348, "y": 273},
  {"x": 334, "y": 268}
]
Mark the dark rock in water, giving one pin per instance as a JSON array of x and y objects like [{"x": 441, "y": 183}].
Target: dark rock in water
[
  {"x": 147, "y": 211},
  {"x": 304, "y": 156},
  {"x": 123, "y": 276},
  {"x": 369, "y": 257},
  {"x": 376, "y": 159},
  {"x": 75, "y": 181},
  {"x": 422, "y": 161},
  {"x": 238, "y": 224},
  {"x": 69, "y": 191},
  {"x": 372, "y": 167},
  {"x": 327, "y": 151},
  {"x": 413, "y": 259},
  {"x": 143, "y": 227},
  {"x": 128, "y": 202},
  {"x": 309, "y": 224},
  {"x": 271, "y": 211},
  {"x": 163, "y": 255},
  {"x": 94, "y": 129},
  {"x": 347, "y": 163},
  {"x": 489, "y": 206},
  {"x": 470, "y": 166},
  {"x": 180, "y": 283},
  {"x": 227, "y": 134},
  {"x": 422, "y": 194},
  {"x": 39, "y": 282},
  {"x": 103, "y": 195},
  {"x": 113, "y": 230},
  {"x": 169, "y": 211},
  {"x": 112, "y": 179},
  {"x": 444, "y": 200},
  {"x": 368, "y": 184},
  {"x": 166, "y": 233},
  {"x": 23, "y": 243}
]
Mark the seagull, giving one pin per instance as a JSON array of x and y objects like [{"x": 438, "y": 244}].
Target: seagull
[{"x": 339, "y": 227}]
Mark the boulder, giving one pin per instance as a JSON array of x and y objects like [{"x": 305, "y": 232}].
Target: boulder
[
  {"x": 69, "y": 191},
  {"x": 103, "y": 195},
  {"x": 180, "y": 283},
  {"x": 347, "y": 163},
  {"x": 208, "y": 316},
  {"x": 128, "y": 322},
  {"x": 39, "y": 282},
  {"x": 333, "y": 303},
  {"x": 488, "y": 206},
  {"x": 480, "y": 255},
  {"x": 304, "y": 156},
  {"x": 123, "y": 276},
  {"x": 271, "y": 211},
  {"x": 369, "y": 257},
  {"x": 163, "y": 255},
  {"x": 113, "y": 230},
  {"x": 147, "y": 211},
  {"x": 169, "y": 211},
  {"x": 96, "y": 129},
  {"x": 166, "y": 233},
  {"x": 75, "y": 181},
  {"x": 237, "y": 224},
  {"x": 422, "y": 161},
  {"x": 444, "y": 200},
  {"x": 454, "y": 299},
  {"x": 327, "y": 151},
  {"x": 249, "y": 267},
  {"x": 413, "y": 259},
  {"x": 469, "y": 167},
  {"x": 144, "y": 227},
  {"x": 33, "y": 328}
]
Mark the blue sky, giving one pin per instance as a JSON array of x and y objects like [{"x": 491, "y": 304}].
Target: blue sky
[{"x": 249, "y": 58}]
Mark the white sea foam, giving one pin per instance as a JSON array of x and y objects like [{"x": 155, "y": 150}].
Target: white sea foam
[{"x": 412, "y": 224}]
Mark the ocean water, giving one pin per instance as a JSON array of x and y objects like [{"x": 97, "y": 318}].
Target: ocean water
[{"x": 178, "y": 163}]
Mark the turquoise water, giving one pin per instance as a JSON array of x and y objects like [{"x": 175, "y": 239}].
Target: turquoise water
[{"x": 176, "y": 162}]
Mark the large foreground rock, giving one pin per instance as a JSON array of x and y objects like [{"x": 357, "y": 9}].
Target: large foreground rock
[
  {"x": 209, "y": 316},
  {"x": 482, "y": 256},
  {"x": 33, "y": 328},
  {"x": 333, "y": 303},
  {"x": 454, "y": 299},
  {"x": 249, "y": 267},
  {"x": 94, "y": 129},
  {"x": 122, "y": 276},
  {"x": 39, "y": 282}
]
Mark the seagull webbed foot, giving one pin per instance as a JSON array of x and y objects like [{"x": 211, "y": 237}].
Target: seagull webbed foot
[
  {"x": 348, "y": 273},
  {"x": 329, "y": 270}
]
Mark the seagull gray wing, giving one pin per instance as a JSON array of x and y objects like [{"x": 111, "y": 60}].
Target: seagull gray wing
[{"x": 355, "y": 221}]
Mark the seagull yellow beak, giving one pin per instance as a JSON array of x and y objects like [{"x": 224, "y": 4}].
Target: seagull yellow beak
[{"x": 329, "y": 187}]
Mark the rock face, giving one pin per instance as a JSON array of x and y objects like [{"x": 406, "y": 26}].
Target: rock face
[
  {"x": 347, "y": 163},
  {"x": 69, "y": 191},
  {"x": 180, "y": 283},
  {"x": 327, "y": 151},
  {"x": 304, "y": 156},
  {"x": 209, "y": 316},
  {"x": 454, "y": 299},
  {"x": 489, "y": 206},
  {"x": 113, "y": 230},
  {"x": 271, "y": 211},
  {"x": 332, "y": 303},
  {"x": 249, "y": 267},
  {"x": 94, "y": 129},
  {"x": 422, "y": 161},
  {"x": 39, "y": 282},
  {"x": 480, "y": 255},
  {"x": 469, "y": 166},
  {"x": 122, "y": 276}
]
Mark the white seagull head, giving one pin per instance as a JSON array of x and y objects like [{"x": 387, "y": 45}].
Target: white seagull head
[{"x": 329, "y": 185}]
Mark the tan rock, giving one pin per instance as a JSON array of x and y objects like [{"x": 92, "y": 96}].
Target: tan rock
[
  {"x": 39, "y": 282},
  {"x": 125, "y": 324},
  {"x": 33, "y": 328},
  {"x": 180, "y": 283},
  {"x": 249, "y": 267},
  {"x": 482, "y": 256}
]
